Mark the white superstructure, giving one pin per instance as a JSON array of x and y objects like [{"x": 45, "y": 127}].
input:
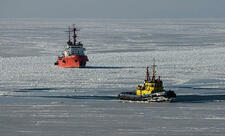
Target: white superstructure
[{"x": 74, "y": 50}]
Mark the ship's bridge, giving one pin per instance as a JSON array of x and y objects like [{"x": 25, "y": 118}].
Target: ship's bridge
[{"x": 74, "y": 50}]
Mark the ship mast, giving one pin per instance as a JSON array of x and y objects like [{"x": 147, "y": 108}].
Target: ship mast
[
  {"x": 74, "y": 34},
  {"x": 69, "y": 34},
  {"x": 153, "y": 70},
  {"x": 69, "y": 41}
]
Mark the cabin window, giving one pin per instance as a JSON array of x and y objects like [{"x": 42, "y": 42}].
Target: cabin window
[
  {"x": 64, "y": 61},
  {"x": 75, "y": 60}
]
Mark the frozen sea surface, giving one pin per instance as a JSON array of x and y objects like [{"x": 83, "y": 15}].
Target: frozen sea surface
[{"x": 37, "y": 98}]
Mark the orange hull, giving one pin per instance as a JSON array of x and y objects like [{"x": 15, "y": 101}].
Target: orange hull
[{"x": 72, "y": 61}]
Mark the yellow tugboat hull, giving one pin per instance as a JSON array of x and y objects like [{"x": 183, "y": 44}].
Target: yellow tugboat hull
[{"x": 166, "y": 96}]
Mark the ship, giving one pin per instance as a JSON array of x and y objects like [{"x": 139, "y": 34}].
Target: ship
[
  {"x": 151, "y": 91},
  {"x": 73, "y": 55}
]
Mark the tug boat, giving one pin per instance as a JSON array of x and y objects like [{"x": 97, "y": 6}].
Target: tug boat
[
  {"x": 73, "y": 55},
  {"x": 151, "y": 91}
]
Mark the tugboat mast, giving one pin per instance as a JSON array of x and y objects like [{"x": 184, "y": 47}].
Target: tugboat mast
[
  {"x": 147, "y": 75},
  {"x": 153, "y": 70}
]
